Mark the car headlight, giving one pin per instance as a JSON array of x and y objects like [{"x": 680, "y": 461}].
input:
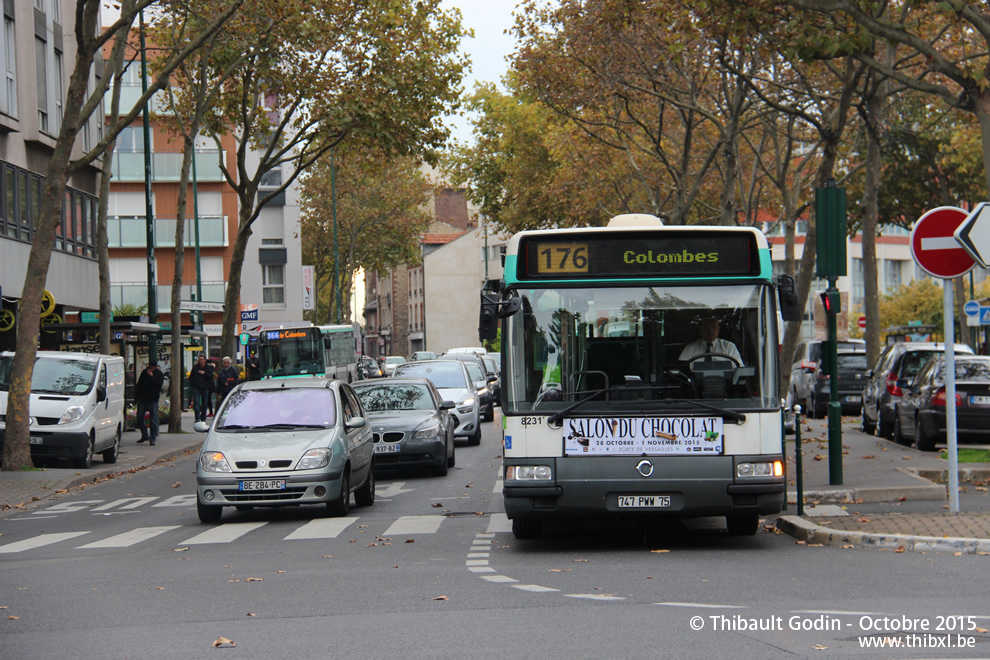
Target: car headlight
[
  {"x": 214, "y": 461},
  {"x": 427, "y": 433},
  {"x": 71, "y": 414},
  {"x": 315, "y": 458},
  {"x": 528, "y": 473},
  {"x": 466, "y": 406}
]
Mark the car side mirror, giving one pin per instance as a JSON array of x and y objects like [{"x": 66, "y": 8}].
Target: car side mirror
[
  {"x": 201, "y": 427},
  {"x": 356, "y": 423},
  {"x": 448, "y": 405}
]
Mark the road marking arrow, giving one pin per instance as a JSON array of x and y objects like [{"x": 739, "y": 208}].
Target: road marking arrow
[
  {"x": 393, "y": 489},
  {"x": 974, "y": 234}
]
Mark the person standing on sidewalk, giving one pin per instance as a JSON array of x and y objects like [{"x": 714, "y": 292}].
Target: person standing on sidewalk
[
  {"x": 147, "y": 391},
  {"x": 201, "y": 381},
  {"x": 227, "y": 380}
]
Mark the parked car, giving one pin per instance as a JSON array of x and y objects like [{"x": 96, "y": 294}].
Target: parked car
[
  {"x": 76, "y": 408},
  {"x": 494, "y": 379},
  {"x": 368, "y": 366},
  {"x": 897, "y": 366},
  {"x": 410, "y": 423},
  {"x": 454, "y": 384},
  {"x": 807, "y": 355},
  {"x": 485, "y": 398},
  {"x": 286, "y": 442},
  {"x": 390, "y": 362},
  {"x": 852, "y": 368},
  {"x": 477, "y": 350},
  {"x": 919, "y": 416},
  {"x": 422, "y": 355}
]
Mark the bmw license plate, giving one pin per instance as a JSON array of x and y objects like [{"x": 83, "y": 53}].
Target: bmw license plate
[
  {"x": 644, "y": 501},
  {"x": 974, "y": 400},
  {"x": 386, "y": 449},
  {"x": 854, "y": 398},
  {"x": 35, "y": 440},
  {"x": 270, "y": 484}
]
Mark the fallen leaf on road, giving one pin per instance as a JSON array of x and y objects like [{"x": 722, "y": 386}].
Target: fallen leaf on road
[
  {"x": 981, "y": 630},
  {"x": 869, "y": 456},
  {"x": 176, "y": 484},
  {"x": 900, "y": 549},
  {"x": 846, "y": 547},
  {"x": 957, "y": 554},
  {"x": 253, "y": 579},
  {"x": 13, "y": 618},
  {"x": 233, "y": 580},
  {"x": 251, "y": 614},
  {"x": 818, "y": 457},
  {"x": 902, "y": 498},
  {"x": 440, "y": 598},
  {"x": 572, "y": 559},
  {"x": 437, "y": 505},
  {"x": 659, "y": 550},
  {"x": 863, "y": 520},
  {"x": 280, "y": 571},
  {"x": 801, "y": 543},
  {"x": 371, "y": 545},
  {"x": 159, "y": 588},
  {"x": 327, "y": 556},
  {"x": 362, "y": 526},
  {"x": 353, "y": 541},
  {"x": 559, "y": 570},
  {"x": 222, "y": 641},
  {"x": 905, "y": 458},
  {"x": 179, "y": 549},
  {"x": 410, "y": 540},
  {"x": 61, "y": 491},
  {"x": 819, "y": 647}
]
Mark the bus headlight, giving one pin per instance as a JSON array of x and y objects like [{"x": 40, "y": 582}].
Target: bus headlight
[
  {"x": 750, "y": 470},
  {"x": 528, "y": 473}
]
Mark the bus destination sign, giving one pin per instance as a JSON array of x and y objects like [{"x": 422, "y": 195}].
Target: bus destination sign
[
  {"x": 654, "y": 254},
  {"x": 289, "y": 333}
]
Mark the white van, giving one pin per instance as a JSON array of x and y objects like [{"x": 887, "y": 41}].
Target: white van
[{"x": 77, "y": 405}]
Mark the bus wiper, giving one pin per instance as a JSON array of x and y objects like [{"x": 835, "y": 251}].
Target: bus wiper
[
  {"x": 558, "y": 416},
  {"x": 737, "y": 417}
]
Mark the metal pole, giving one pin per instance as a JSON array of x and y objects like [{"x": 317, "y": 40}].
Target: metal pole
[
  {"x": 834, "y": 407},
  {"x": 199, "y": 273},
  {"x": 336, "y": 254},
  {"x": 798, "y": 460},
  {"x": 148, "y": 210},
  {"x": 950, "y": 396}
]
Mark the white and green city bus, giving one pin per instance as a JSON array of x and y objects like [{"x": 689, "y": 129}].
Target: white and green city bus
[
  {"x": 328, "y": 350},
  {"x": 605, "y": 412}
]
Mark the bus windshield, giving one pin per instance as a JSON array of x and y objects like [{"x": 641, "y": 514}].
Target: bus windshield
[
  {"x": 640, "y": 349},
  {"x": 296, "y": 352}
]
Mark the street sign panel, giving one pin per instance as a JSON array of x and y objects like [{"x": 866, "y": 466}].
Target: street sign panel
[
  {"x": 861, "y": 322},
  {"x": 934, "y": 246},
  {"x": 972, "y": 308},
  {"x": 200, "y": 306},
  {"x": 974, "y": 234}
]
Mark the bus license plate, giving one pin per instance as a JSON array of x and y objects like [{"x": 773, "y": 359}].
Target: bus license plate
[
  {"x": 271, "y": 484},
  {"x": 644, "y": 501},
  {"x": 386, "y": 449},
  {"x": 35, "y": 440}
]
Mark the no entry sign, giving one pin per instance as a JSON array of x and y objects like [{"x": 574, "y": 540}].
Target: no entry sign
[{"x": 934, "y": 247}]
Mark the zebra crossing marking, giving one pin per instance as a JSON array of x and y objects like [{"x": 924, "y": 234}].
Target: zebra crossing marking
[
  {"x": 127, "y": 539},
  {"x": 38, "y": 541},
  {"x": 224, "y": 533}
]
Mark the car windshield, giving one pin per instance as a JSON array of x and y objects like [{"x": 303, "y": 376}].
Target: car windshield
[
  {"x": 851, "y": 361},
  {"x": 290, "y": 406},
  {"x": 973, "y": 370},
  {"x": 394, "y": 360},
  {"x": 442, "y": 375},
  {"x": 395, "y": 396},
  {"x": 915, "y": 360},
  {"x": 53, "y": 375},
  {"x": 474, "y": 371}
]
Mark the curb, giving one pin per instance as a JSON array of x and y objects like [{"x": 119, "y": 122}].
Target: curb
[
  {"x": 941, "y": 475},
  {"x": 110, "y": 470},
  {"x": 925, "y": 490},
  {"x": 809, "y": 532}
]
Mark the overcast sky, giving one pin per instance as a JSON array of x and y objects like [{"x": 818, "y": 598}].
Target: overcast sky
[{"x": 487, "y": 50}]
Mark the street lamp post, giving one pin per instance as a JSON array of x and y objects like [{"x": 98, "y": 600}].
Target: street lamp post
[
  {"x": 336, "y": 253},
  {"x": 149, "y": 211}
]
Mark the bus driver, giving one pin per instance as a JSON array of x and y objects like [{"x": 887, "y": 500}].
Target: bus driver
[{"x": 710, "y": 343}]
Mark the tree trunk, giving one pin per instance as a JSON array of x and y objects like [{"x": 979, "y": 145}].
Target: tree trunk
[{"x": 232, "y": 296}]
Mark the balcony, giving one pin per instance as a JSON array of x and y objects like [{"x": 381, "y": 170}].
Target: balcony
[
  {"x": 131, "y": 232},
  {"x": 166, "y": 165}
]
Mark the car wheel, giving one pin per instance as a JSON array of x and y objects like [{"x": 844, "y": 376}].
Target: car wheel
[
  {"x": 742, "y": 524},
  {"x": 110, "y": 455},
  {"x": 86, "y": 461},
  {"x": 453, "y": 454},
  {"x": 341, "y": 506},
  {"x": 440, "y": 469},
  {"x": 925, "y": 441},
  {"x": 208, "y": 514},
  {"x": 490, "y": 415},
  {"x": 867, "y": 426},
  {"x": 527, "y": 528},
  {"x": 899, "y": 437},
  {"x": 884, "y": 429},
  {"x": 475, "y": 438},
  {"x": 817, "y": 411},
  {"x": 365, "y": 495}
]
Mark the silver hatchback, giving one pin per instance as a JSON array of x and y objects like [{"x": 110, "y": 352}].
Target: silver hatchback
[{"x": 286, "y": 442}]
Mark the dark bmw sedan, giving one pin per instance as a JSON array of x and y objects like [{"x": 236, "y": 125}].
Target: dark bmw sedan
[
  {"x": 852, "y": 368},
  {"x": 920, "y": 414}
]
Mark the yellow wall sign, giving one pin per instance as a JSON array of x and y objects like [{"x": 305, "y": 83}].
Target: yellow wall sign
[{"x": 47, "y": 303}]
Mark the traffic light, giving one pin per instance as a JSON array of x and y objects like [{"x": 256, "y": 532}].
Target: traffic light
[{"x": 831, "y": 301}]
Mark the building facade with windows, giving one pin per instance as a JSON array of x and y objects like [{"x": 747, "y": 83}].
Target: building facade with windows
[{"x": 37, "y": 53}]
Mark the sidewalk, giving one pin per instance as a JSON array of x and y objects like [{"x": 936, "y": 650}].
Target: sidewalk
[
  {"x": 877, "y": 470},
  {"x": 21, "y": 489}
]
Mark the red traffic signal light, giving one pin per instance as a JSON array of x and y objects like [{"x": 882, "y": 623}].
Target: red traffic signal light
[{"x": 831, "y": 302}]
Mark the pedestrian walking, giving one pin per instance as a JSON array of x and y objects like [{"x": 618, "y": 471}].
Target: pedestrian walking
[
  {"x": 227, "y": 380},
  {"x": 202, "y": 383},
  {"x": 253, "y": 367},
  {"x": 147, "y": 391}
]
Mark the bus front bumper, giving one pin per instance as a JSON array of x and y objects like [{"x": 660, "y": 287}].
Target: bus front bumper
[{"x": 677, "y": 486}]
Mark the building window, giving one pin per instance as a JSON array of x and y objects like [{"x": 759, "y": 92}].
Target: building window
[
  {"x": 58, "y": 91},
  {"x": 8, "y": 104},
  {"x": 41, "y": 61},
  {"x": 858, "y": 285},
  {"x": 891, "y": 275},
  {"x": 273, "y": 284}
]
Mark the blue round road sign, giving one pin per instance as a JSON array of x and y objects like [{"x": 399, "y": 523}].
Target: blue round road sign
[{"x": 972, "y": 308}]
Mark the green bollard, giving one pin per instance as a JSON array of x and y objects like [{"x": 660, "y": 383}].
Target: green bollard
[{"x": 799, "y": 464}]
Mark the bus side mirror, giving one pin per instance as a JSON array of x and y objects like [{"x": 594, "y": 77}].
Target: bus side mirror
[
  {"x": 326, "y": 341},
  {"x": 790, "y": 308},
  {"x": 488, "y": 319}
]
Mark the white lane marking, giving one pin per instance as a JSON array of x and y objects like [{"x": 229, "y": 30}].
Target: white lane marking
[
  {"x": 127, "y": 539},
  {"x": 178, "y": 500},
  {"x": 481, "y": 569},
  {"x": 499, "y": 523},
  {"x": 498, "y": 578},
  {"x": 479, "y": 555},
  {"x": 321, "y": 528},
  {"x": 134, "y": 503},
  {"x": 68, "y": 507},
  {"x": 393, "y": 489},
  {"x": 595, "y": 596},
  {"x": 38, "y": 541},
  {"x": 415, "y": 525},
  {"x": 476, "y": 562},
  {"x": 940, "y": 243},
  {"x": 224, "y": 533},
  {"x": 532, "y": 587},
  {"x": 711, "y": 606}
]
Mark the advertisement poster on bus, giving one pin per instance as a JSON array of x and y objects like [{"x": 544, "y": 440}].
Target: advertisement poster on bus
[{"x": 633, "y": 436}]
